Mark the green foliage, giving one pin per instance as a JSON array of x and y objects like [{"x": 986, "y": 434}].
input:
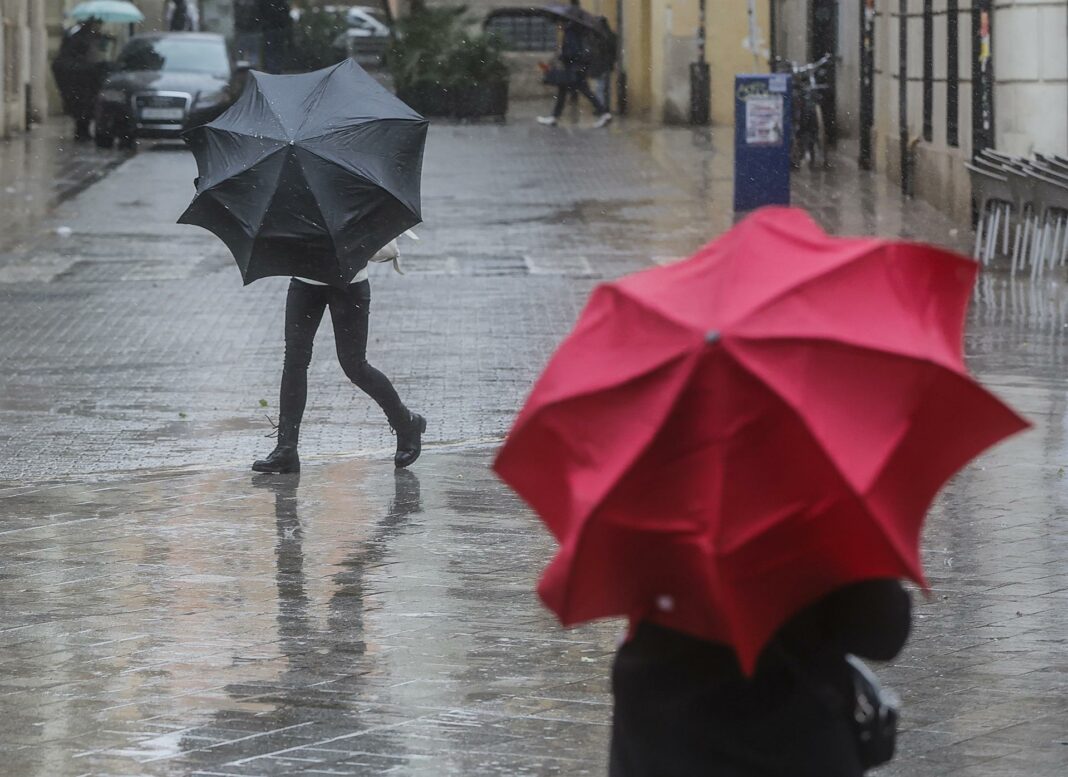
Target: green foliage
[
  {"x": 436, "y": 47},
  {"x": 316, "y": 39}
]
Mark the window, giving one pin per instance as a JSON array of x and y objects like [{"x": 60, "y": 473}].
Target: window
[
  {"x": 523, "y": 31},
  {"x": 177, "y": 53}
]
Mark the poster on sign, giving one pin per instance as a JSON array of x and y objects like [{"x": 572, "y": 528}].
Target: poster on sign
[{"x": 763, "y": 120}]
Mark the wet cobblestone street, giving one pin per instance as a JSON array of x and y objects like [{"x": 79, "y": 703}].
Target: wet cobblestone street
[{"x": 166, "y": 613}]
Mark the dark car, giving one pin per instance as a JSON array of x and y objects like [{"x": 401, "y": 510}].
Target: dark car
[{"x": 165, "y": 83}]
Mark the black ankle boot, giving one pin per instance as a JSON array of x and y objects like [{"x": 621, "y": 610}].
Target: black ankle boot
[
  {"x": 282, "y": 460},
  {"x": 409, "y": 440}
]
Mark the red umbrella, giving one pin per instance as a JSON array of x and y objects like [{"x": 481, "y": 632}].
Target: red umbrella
[{"x": 722, "y": 441}]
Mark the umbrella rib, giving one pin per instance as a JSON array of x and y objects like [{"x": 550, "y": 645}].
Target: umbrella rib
[
  {"x": 869, "y": 250},
  {"x": 362, "y": 174},
  {"x": 819, "y": 444},
  {"x": 240, "y": 134},
  {"x": 845, "y": 342},
  {"x": 258, "y": 160},
  {"x": 320, "y": 90},
  {"x": 593, "y": 507},
  {"x": 368, "y": 120},
  {"x": 276, "y": 113},
  {"x": 270, "y": 202}
]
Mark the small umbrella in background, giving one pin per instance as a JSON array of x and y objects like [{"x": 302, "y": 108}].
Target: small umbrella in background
[
  {"x": 113, "y": 11},
  {"x": 723, "y": 441},
  {"x": 309, "y": 174}
]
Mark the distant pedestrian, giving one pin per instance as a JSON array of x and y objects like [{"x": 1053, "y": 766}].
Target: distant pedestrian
[
  {"x": 603, "y": 63},
  {"x": 276, "y": 25},
  {"x": 181, "y": 16},
  {"x": 573, "y": 74},
  {"x": 79, "y": 72},
  {"x": 683, "y": 706},
  {"x": 350, "y": 312}
]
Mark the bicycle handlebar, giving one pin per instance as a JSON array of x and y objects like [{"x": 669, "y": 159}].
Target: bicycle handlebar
[{"x": 798, "y": 69}]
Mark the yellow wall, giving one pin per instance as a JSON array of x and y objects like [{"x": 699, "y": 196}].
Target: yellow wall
[{"x": 660, "y": 38}]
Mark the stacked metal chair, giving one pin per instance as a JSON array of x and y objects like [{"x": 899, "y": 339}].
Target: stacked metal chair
[{"x": 1033, "y": 193}]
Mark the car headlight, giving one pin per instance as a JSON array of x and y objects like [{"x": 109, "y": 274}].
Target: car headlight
[{"x": 112, "y": 95}]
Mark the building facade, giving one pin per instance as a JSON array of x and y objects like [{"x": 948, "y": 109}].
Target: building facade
[
  {"x": 23, "y": 85},
  {"x": 660, "y": 41},
  {"x": 932, "y": 82}
]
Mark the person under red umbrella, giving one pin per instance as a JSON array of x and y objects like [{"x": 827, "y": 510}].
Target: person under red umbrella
[
  {"x": 683, "y": 705},
  {"x": 737, "y": 452}
]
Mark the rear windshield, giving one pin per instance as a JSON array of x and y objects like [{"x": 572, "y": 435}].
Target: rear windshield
[{"x": 189, "y": 55}]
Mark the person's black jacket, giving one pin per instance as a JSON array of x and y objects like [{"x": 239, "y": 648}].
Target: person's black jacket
[
  {"x": 684, "y": 708},
  {"x": 574, "y": 53}
]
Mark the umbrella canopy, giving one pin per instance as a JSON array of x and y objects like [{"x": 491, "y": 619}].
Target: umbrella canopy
[
  {"x": 117, "y": 11},
  {"x": 309, "y": 174},
  {"x": 570, "y": 13},
  {"x": 723, "y": 441}
]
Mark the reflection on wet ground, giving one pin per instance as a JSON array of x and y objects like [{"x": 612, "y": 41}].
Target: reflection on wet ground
[
  {"x": 351, "y": 619},
  {"x": 39, "y": 170}
]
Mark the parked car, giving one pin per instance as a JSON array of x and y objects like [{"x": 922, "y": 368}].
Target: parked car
[{"x": 165, "y": 83}]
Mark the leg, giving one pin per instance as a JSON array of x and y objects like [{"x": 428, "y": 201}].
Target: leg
[
  {"x": 305, "y": 305},
  {"x": 583, "y": 88},
  {"x": 350, "y": 312},
  {"x": 561, "y": 100}
]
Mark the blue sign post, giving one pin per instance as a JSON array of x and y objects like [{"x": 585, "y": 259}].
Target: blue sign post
[{"x": 762, "y": 135}]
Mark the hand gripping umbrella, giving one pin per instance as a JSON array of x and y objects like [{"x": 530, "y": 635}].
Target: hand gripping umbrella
[
  {"x": 309, "y": 174},
  {"x": 723, "y": 441}
]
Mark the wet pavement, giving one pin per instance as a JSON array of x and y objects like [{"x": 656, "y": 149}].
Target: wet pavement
[
  {"x": 39, "y": 170},
  {"x": 164, "y": 613}
]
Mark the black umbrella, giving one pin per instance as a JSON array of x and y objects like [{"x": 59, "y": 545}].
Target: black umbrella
[
  {"x": 571, "y": 13},
  {"x": 308, "y": 174}
]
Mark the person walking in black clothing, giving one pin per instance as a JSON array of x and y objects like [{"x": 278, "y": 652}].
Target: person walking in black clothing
[
  {"x": 573, "y": 77},
  {"x": 683, "y": 707},
  {"x": 275, "y": 24},
  {"x": 181, "y": 16},
  {"x": 79, "y": 72},
  {"x": 306, "y": 303}
]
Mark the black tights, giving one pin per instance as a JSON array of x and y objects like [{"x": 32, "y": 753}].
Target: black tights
[{"x": 349, "y": 311}]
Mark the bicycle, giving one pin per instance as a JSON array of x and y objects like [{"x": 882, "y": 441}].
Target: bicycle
[{"x": 809, "y": 137}]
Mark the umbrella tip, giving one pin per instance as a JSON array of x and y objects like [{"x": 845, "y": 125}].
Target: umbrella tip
[{"x": 712, "y": 337}]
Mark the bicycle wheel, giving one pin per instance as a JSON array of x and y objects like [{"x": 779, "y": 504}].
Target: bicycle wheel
[{"x": 819, "y": 142}]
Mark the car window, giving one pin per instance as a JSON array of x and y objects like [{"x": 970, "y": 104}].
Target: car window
[{"x": 182, "y": 54}]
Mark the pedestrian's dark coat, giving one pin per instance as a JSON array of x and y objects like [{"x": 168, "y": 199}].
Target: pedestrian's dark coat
[
  {"x": 683, "y": 707},
  {"x": 574, "y": 53},
  {"x": 78, "y": 70}
]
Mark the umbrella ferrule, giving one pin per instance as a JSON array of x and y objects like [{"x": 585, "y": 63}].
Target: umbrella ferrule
[{"x": 712, "y": 337}]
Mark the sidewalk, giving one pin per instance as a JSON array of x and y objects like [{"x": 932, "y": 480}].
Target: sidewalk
[
  {"x": 40, "y": 169},
  {"x": 165, "y": 614}
]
